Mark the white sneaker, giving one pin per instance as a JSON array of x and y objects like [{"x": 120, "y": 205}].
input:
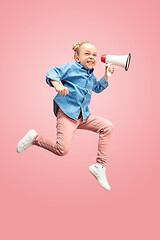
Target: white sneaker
[
  {"x": 98, "y": 172},
  {"x": 26, "y": 141}
]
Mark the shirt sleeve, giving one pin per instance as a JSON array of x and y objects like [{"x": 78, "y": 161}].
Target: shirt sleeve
[
  {"x": 99, "y": 86},
  {"x": 57, "y": 74}
]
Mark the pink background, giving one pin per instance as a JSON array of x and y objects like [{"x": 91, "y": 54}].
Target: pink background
[{"x": 48, "y": 197}]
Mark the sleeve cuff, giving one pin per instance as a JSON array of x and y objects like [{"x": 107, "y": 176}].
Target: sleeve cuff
[
  {"x": 103, "y": 82},
  {"x": 49, "y": 83}
]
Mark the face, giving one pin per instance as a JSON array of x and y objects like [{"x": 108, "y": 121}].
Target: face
[{"x": 87, "y": 56}]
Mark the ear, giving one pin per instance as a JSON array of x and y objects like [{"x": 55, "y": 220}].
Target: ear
[{"x": 77, "y": 59}]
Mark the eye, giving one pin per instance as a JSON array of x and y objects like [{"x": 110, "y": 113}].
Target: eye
[
  {"x": 86, "y": 53},
  {"x": 95, "y": 55}
]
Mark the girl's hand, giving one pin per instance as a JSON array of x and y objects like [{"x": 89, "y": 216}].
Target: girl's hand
[
  {"x": 62, "y": 90},
  {"x": 110, "y": 68}
]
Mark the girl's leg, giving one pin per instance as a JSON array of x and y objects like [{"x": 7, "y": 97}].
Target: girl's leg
[
  {"x": 104, "y": 128},
  {"x": 65, "y": 131}
]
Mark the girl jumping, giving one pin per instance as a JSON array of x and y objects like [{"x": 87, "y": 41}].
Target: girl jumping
[{"x": 74, "y": 83}]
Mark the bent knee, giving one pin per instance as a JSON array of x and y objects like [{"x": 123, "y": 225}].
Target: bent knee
[
  {"x": 62, "y": 151},
  {"x": 108, "y": 127}
]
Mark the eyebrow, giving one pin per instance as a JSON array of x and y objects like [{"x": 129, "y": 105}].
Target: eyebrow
[{"x": 89, "y": 51}]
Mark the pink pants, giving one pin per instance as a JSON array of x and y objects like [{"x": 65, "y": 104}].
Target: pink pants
[{"x": 65, "y": 131}]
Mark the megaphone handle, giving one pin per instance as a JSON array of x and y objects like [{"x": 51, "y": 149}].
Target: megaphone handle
[{"x": 109, "y": 73}]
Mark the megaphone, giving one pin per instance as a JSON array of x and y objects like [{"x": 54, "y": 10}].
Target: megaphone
[{"x": 122, "y": 61}]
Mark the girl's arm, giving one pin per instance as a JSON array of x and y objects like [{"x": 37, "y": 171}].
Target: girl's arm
[
  {"x": 99, "y": 86},
  {"x": 57, "y": 74},
  {"x": 59, "y": 88},
  {"x": 54, "y": 77}
]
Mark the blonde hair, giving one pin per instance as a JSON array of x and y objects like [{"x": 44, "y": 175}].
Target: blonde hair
[{"x": 76, "y": 48}]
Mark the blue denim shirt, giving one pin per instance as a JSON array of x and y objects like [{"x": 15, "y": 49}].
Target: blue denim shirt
[{"x": 80, "y": 83}]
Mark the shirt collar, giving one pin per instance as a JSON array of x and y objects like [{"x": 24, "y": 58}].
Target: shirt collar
[{"x": 82, "y": 67}]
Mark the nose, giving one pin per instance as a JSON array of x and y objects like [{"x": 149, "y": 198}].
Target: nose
[{"x": 91, "y": 56}]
